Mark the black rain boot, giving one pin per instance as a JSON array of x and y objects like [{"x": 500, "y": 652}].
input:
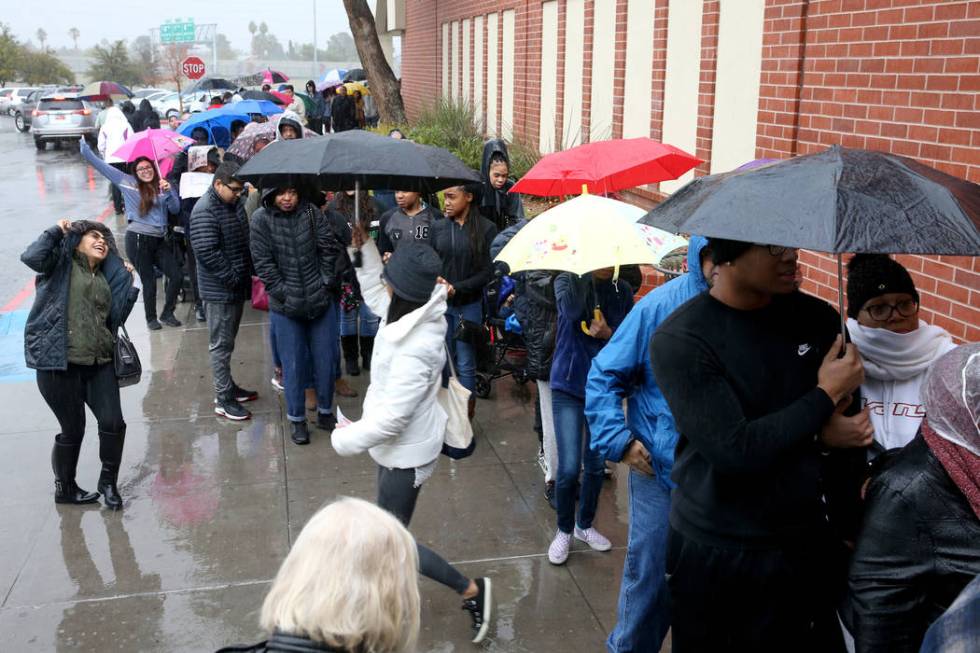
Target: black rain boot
[
  {"x": 64, "y": 461},
  {"x": 349, "y": 345},
  {"x": 110, "y": 451},
  {"x": 367, "y": 349}
]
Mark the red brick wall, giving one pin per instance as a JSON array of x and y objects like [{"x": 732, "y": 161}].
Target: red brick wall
[{"x": 899, "y": 76}]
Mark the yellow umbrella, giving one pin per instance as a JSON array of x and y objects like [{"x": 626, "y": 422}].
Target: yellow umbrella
[
  {"x": 583, "y": 234},
  {"x": 357, "y": 86}
]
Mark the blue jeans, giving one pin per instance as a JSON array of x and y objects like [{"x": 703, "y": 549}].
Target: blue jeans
[
  {"x": 308, "y": 349},
  {"x": 572, "y": 437},
  {"x": 643, "y": 615},
  {"x": 349, "y": 320},
  {"x": 464, "y": 354}
]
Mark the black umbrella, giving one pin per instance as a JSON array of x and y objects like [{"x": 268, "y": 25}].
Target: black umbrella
[
  {"x": 358, "y": 159},
  {"x": 211, "y": 83},
  {"x": 840, "y": 200},
  {"x": 261, "y": 95},
  {"x": 355, "y": 75}
]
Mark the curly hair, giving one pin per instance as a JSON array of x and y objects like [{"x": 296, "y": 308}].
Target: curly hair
[{"x": 82, "y": 227}]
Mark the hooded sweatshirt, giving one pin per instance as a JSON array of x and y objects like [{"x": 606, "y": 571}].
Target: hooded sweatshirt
[
  {"x": 114, "y": 132},
  {"x": 622, "y": 370},
  {"x": 577, "y": 297},
  {"x": 402, "y": 424},
  {"x": 496, "y": 204},
  {"x": 145, "y": 117},
  {"x": 895, "y": 365},
  {"x": 291, "y": 118}
]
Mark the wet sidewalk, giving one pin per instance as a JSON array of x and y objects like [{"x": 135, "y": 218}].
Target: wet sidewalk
[{"x": 212, "y": 507}]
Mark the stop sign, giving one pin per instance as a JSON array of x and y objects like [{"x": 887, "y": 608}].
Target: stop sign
[{"x": 192, "y": 67}]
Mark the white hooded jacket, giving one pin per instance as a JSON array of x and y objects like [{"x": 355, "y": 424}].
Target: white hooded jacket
[
  {"x": 895, "y": 365},
  {"x": 113, "y": 133},
  {"x": 402, "y": 424}
]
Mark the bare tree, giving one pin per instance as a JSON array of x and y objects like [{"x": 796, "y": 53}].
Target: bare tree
[
  {"x": 384, "y": 86},
  {"x": 170, "y": 62},
  {"x": 42, "y": 36},
  {"x": 74, "y": 34}
]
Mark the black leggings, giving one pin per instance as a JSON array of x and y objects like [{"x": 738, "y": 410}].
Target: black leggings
[
  {"x": 397, "y": 495},
  {"x": 68, "y": 392},
  {"x": 145, "y": 252}
]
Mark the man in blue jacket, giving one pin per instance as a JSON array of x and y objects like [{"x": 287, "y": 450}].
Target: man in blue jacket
[{"x": 645, "y": 441}]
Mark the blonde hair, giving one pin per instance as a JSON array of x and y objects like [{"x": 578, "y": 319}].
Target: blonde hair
[{"x": 350, "y": 581}]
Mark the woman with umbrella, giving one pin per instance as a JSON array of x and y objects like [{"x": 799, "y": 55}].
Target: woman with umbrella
[
  {"x": 149, "y": 200},
  {"x": 113, "y": 133},
  {"x": 297, "y": 255}
]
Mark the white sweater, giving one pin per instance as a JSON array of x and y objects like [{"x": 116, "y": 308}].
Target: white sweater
[
  {"x": 895, "y": 365},
  {"x": 402, "y": 424}
]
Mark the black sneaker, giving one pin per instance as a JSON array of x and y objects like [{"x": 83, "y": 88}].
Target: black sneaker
[
  {"x": 549, "y": 494},
  {"x": 242, "y": 395},
  {"x": 480, "y": 608},
  {"x": 199, "y": 313},
  {"x": 300, "y": 434},
  {"x": 353, "y": 369},
  {"x": 326, "y": 421},
  {"x": 170, "y": 320},
  {"x": 153, "y": 325},
  {"x": 231, "y": 409}
]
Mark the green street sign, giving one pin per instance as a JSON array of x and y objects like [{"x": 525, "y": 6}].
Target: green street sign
[{"x": 177, "y": 31}]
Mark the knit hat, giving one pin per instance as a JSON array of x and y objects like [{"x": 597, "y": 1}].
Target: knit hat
[
  {"x": 873, "y": 275},
  {"x": 412, "y": 271},
  {"x": 724, "y": 250}
]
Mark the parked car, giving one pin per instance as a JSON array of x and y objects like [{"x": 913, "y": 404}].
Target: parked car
[
  {"x": 167, "y": 105},
  {"x": 24, "y": 110},
  {"x": 63, "y": 118},
  {"x": 17, "y": 95}
]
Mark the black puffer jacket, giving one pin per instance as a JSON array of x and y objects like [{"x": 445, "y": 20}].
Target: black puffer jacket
[
  {"x": 46, "y": 332},
  {"x": 219, "y": 238},
  {"x": 540, "y": 322},
  {"x": 919, "y": 547},
  {"x": 298, "y": 256}
]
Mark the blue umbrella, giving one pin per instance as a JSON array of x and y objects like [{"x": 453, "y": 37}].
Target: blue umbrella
[
  {"x": 331, "y": 78},
  {"x": 216, "y": 122},
  {"x": 264, "y": 107}
]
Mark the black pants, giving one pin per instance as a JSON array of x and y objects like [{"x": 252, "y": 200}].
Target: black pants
[
  {"x": 68, "y": 392},
  {"x": 736, "y": 599},
  {"x": 326, "y": 124},
  {"x": 145, "y": 252},
  {"x": 117, "y": 198},
  {"x": 397, "y": 495},
  {"x": 316, "y": 124}
]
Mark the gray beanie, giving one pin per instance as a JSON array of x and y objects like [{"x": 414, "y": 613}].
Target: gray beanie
[{"x": 412, "y": 271}]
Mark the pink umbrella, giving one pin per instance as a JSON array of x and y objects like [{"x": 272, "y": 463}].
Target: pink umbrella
[
  {"x": 270, "y": 76},
  {"x": 153, "y": 144}
]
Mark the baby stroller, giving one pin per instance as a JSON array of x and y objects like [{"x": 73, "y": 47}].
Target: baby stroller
[{"x": 500, "y": 347}]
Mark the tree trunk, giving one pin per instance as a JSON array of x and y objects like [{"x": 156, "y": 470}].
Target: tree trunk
[{"x": 385, "y": 88}]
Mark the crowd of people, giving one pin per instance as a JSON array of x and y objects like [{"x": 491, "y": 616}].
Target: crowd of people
[{"x": 788, "y": 489}]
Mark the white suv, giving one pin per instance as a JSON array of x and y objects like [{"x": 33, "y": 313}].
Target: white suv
[
  {"x": 167, "y": 105},
  {"x": 8, "y": 103}
]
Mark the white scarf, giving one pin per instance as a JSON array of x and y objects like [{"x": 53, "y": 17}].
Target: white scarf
[{"x": 890, "y": 356}]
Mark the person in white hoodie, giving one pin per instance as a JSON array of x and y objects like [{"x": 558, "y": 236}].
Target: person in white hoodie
[
  {"x": 113, "y": 132},
  {"x": 402, "y": 425},
  {"x": 896, "y": 346}
]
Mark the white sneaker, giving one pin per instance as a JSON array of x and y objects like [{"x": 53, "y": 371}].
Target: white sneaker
[
  {"x": 558, "y": 551},
  {"x": 593, "y": 538},
  {"x": 277, "y": 384}
]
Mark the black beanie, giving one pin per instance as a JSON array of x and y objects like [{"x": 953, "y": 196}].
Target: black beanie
[
  {"x": 873, "y": 275},
  {"x": 412, "y": 271},
  {"x": 724, "y": 250}
]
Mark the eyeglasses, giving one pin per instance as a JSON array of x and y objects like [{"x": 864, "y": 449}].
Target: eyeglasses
[
  {"x": 237, "y": 190},
  {"x": 883, "y": 312},
  {"x": 775, "y": 250},
  {"x": 144, "y": 169}
]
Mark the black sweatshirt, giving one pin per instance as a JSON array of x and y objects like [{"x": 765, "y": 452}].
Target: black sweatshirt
[{"x": 742, "y": 388}]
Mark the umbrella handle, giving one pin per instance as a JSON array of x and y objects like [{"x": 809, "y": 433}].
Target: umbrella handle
[{"x": 840, "y": 304}]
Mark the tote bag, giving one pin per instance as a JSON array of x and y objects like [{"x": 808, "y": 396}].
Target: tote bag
[{"x": 458, "y": 442}]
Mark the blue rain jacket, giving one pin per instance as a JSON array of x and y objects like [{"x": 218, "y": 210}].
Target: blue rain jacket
[{"x": 622, "y": 370}]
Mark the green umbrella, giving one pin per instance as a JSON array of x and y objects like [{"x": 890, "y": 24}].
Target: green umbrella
[{"x": 307, "y": 102}]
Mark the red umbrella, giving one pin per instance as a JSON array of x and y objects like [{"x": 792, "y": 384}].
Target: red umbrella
[
  {"x": 604, "y": 167},
  {"x": 270, "y": 76}
]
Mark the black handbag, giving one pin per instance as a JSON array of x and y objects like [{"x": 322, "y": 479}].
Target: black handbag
[{"x": 127, "y": 361}]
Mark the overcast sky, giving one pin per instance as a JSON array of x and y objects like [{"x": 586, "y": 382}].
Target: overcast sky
[{"x": 127, "y": 19}]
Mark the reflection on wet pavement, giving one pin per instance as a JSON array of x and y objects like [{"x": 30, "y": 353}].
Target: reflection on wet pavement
[{"x": 212, "y": 506}]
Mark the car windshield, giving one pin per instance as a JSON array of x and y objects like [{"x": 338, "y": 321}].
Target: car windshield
[
  {"x": 60, "y": 105},
  {"x": 5, "y": 92}
]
